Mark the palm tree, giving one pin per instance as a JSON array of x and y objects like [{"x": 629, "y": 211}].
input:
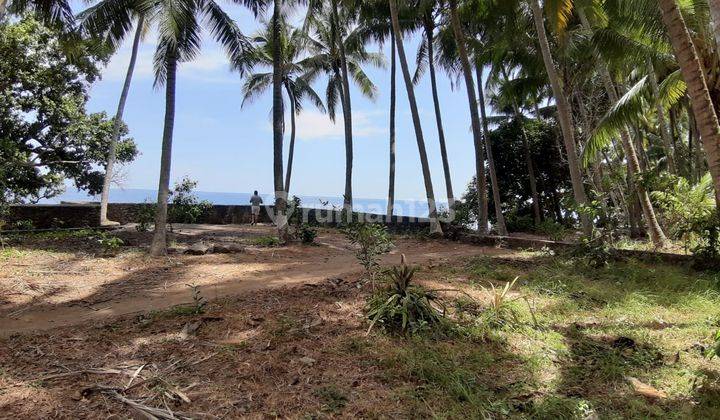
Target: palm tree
[
  {"x": 114, "y": 20},
  {"x": 393, "y": 99},
  {"x": 427, "y": 11},
  {"x": 179, "y": 31},
  {"x": 715, "y": 14},
  {"x": 460, "y": 41},
  {"x": 564, "y": 115},
  {"x": 435, "y": 228},
  {"x": 654, "y": 229},
  {"x": 692, "y": 71},
  {"x": 338, "y": 48},
  {"x": 292, "y": 47}
]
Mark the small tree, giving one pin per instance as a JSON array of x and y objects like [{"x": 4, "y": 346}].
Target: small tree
[
  {"x": 186, "y": 207},
  {"x": 373, "y": 240}
]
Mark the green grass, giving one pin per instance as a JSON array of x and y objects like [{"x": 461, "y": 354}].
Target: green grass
[
  {"x": 596, "y": 327},
  {"x": 268, "y": 241}
]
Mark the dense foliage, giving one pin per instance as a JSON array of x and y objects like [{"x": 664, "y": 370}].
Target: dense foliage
[{"x": 46, "y": 133}]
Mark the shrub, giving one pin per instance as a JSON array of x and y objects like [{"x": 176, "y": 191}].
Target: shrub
[
  {"x": 373, "y": 240},
  {"x": 110, "y": 244},
  {"x": 186, "y": 207},
  {"x": 268, "y": 241},
  {"x": 146, "y": 217},
  {"x": 307, "y": 233},
  {"x": 24, "y": 225},
  {"x": 402, "y": 307},
  {"x": 597, "y": 251},
  {"x": 553, "y": 230}
]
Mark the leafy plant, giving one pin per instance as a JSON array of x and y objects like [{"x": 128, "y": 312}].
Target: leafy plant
[
  {"x": 307, "y": 233},
  {"x": 268, "y": 241},
  {"x": 146, "y": 217},
  {"x": 597, "y": 251},
  {"x": 185, "y": 206},
  {"x": 110, "y": 244},
  {"x": 706, "y": 251},
  {"x": 24, "y": 225},
  {"x": 373, "y": 240},
  {"x": 402, "y": 307},
  {"x": 198, "y": 300},
  {"x": 684, "y": 206},
  {"x": 553, "y": 230}
]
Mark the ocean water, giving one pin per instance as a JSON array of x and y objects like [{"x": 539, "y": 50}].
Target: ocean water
[{"x": 412, "y": 208}]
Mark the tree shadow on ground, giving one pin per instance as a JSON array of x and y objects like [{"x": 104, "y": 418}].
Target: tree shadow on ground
[{"x": 595, "y": 371}]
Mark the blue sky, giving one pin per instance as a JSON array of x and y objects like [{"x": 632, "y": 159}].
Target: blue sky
[{"x": 227, "y": 148}]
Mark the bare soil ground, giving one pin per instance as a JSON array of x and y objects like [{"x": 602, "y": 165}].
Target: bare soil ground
[
  {"x": 284, "y": 334},
  {"x": 74, "y": 285}
]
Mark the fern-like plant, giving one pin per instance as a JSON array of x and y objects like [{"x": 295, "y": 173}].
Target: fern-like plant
[{"x": 402, "y": 307}]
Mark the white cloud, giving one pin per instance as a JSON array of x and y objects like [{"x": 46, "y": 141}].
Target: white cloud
[{"x": 314, "y": 125}]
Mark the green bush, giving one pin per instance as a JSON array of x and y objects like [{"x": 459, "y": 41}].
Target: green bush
[
  {"x": 185, "y": 206},
  {"x": 401, "y": 307},
  {"x": 24, "y": 225},
  {"x": 110, "y": 244},
  {"x": 146, "y": 217},
  {"x": 307, "y": 233},
  {"x": 552, "y": 229},
  {"x": 372, "y": 240}
]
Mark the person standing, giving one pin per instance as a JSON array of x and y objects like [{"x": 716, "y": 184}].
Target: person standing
[{"x": 255, "y": 202}]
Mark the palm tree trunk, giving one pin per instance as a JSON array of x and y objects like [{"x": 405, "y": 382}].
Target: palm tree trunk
[
  {"x": 278, "y": 126},
  {"x": 474, "y": 121},
  {"x": 159, "y": 242},
  {"x": 117, "y": 123},
  {"x": 654, "y": 229},
  {"x": 715, "y": 15},
  {"x": 663, "y": 127},
  {"x": 500, "y": 219},
  {"x": 429, "y": 34},
  {"x": 291, "y": 150},
  {"x": 564, "y": 114},
  {"x": 528, "y": 158},
  {"x": 691, "y": 68},
  {"x": 435, "y": 228},
  {"x": 391, "y": 181},
  {"x": 347, "y": 113}
]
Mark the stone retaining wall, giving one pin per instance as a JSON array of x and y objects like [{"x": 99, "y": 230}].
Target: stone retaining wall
[{"x": 46, "y": 216}]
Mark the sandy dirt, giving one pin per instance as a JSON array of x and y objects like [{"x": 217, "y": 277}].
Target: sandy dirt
[{"x": 44, "y": 290}]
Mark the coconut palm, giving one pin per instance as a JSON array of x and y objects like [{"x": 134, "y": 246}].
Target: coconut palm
[
  {"x": 113, "y": 19},
  {"x": 564, "y": 111},
  {"x": 179, "y": 26},
  {"x": 292, "y": 48},
  {"x": 435, "y": 228},
  {"x": 375, "y": 22},
  {"x": 692, "y": 72},
  {"x": 337, "y": 45},
  {"x": 473, "y": 101},
  {"x": 428, "y": 11}
]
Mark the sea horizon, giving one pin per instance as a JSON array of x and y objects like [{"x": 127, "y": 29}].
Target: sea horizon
[{"x": 405, "y": 207}]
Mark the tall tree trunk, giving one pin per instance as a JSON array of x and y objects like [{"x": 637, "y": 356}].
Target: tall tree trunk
[
  {"x": 634, "y": 164},
  {"x": 435, "y": 228},
  {"x": 691, "y": 68},
  {"x": 665, "y": 134},
  {"x": 564, "y": 114},
  {"x": 393, "y": 89},
  {"x": 501, "y": 228},
  {"x": 291, "y": 150},
  {"x": 429, "y": 34},
  {"x": 474, "y": 121},
  {"x": 347, "y": 112},
  {"x": 715, "y": 15},
  {"x": 159, "y": 242},
  {"x": 528, "y": 156},
  {"x": 278, "y": 129},
  {"x": 117, "y": 123}
]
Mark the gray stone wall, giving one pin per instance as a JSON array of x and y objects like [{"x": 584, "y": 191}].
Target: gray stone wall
[{"x": 47, "y": 216}]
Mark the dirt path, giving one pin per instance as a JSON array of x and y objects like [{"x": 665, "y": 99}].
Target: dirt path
[{"x": 84, "y": 289}]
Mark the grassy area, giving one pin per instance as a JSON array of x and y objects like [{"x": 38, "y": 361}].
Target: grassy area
[{"x": 597, "y": 329}]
